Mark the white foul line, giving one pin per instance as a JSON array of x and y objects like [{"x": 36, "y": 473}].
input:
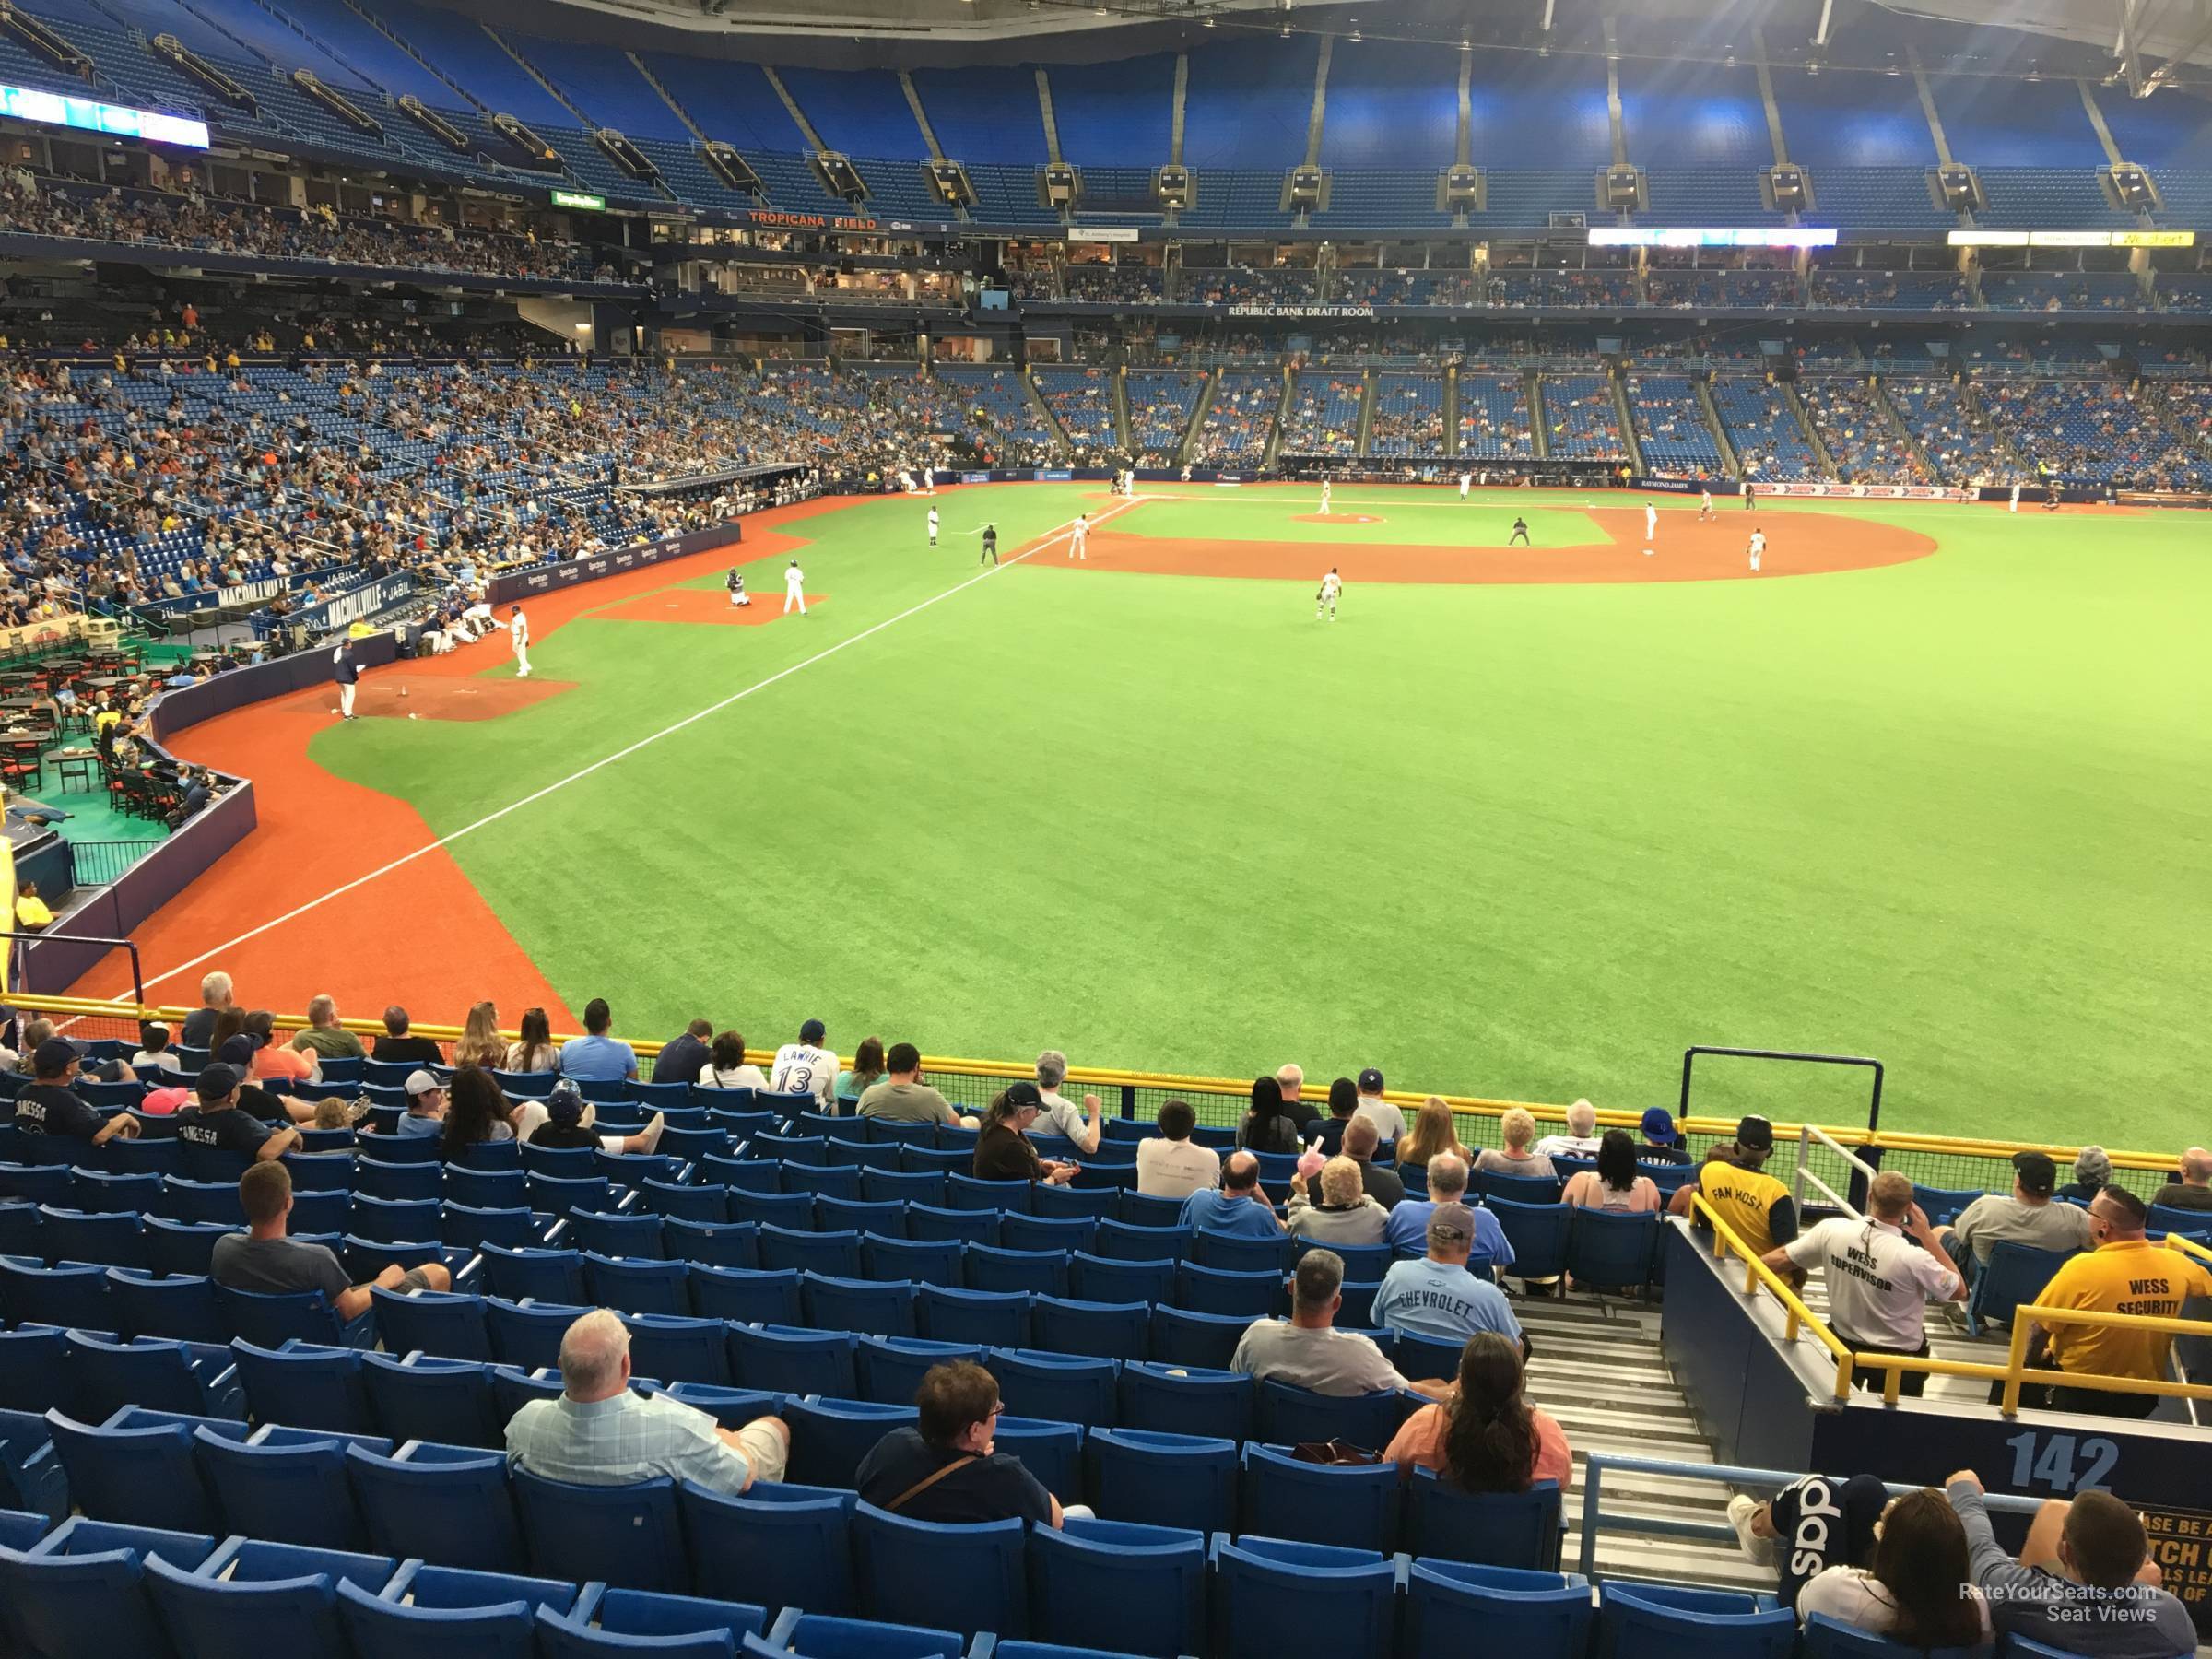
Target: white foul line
[{"x": 622, "y": 754}]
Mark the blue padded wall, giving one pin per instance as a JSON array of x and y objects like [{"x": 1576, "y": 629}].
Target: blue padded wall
[
  {"x": 1522, "y": 108},
  {"x": 860, "y": 111},
  {"x": 2167, "y": 129},
  {"x": 1115, "y": 114},
  {"x": 600, "y": 82},
  {"x": 984, "y": 115},
  {"x": 2016, "y": 124},
  {"x": 1693, "y": 115},
  {"x": 1391, "y": 106},
  {"x": 732, "y": 102},
  {"x": 1247, "y": 106},
  {"x": 1853, "y": 120}
]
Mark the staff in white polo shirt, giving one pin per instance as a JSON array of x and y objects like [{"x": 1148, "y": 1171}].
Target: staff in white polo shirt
[{"x": 1880, "y": 1284}]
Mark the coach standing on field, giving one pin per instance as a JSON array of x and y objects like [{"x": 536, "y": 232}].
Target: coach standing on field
[{"x": 347, "y": 673}]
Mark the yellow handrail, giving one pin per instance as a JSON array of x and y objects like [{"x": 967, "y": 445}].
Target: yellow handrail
[
  {"x": 1184, "y": 1083},
  {"x": 1759, "y": 1276}
]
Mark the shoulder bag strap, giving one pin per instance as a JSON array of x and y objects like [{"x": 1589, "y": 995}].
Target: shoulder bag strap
[{"x": 922, "y": 1485}]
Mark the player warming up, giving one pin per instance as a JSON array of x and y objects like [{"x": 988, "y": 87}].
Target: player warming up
[
  {"x": 1467, "y": 481},
  {"x": 932, "y": 526},
  {"x": 735, "y": 581},
  {"x": 1651, "y": 525},
  {"x": 794, "y": 589},
  {"x": 1705, "y": 513},
  {"x": 1520, "y": 531},
  {"x": 1078, "y": 539},
  {"x": 1758, "y": 547},
  {"x": 518, "y": 629},
  {"x": 1331, "y": 585},
  {"x": 1325, "y": 495},
  {"x": 990, "y": 544}
]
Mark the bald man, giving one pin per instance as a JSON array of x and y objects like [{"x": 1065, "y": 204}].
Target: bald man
[
  {"x": 1292, "y": 1079},
  {"x": 2193, "y": 1190}
]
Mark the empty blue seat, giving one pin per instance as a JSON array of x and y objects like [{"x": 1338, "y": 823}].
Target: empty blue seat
[
  {"x": 617, "y": 1235},
  {"x": 69, "y": 1235},
  {"x": 183, "y": 1200},
  {"x": 468, "y": 1228},
  {"x": 1425, "y": 1359},
  {"x": 1114, "y": 1279},
  {"x": 298, "y": 1493},
  {"x": 1106, "y": 1330},
  {"x": 74, "y": 1295},
  {"x": 635, "y": 1286},
  {"x": 1247, "y": 1294},
  {"x": 562, "y": 1163},
  {"x": 965, "y": 1191},
  {"x": 30, "y": 1474},
  {"x": 814, "y": 1635},
  {"x": 1536, "y": 1231},
  {"x": 2013, "y": 1274},
  {"x": 34, "y": 1369},
  {"x": 863, "y": 1306},
  {"x": 1273, "y": 1596},
  {"x": 630, "y": 1622},
  {"x": 713, "y": 1244},
  {"x": 381, "y": 1629},
  {"x": 183, "y": 1308},
  {"x": 1363, "y": 1263},
  {"x": 1495, "y": 1529},
  {"x": 927, "y": 1223},
  {"x": 528, "y": 1338},
  {"x": 305, "y": 1385},
  {"x": 538, "y": 1274},
  {"x": 904, "y": 1186},
  {"x": 829, "y": 1438},
  {"x": 776, "y": 1208},
  {"x": 892, "y": 1368},
  {"x": 710, "y": 1204},
  {"x": 162, "y": 1375},
  {"x": 1041, "y": 1271},
  {"x": 67, "y": 1599},
  {"x": 1452, "y": 1609},
  {"x": 961, "y": 1578},
  {"x": 886, "y": 1216},
  {"x": 141, "y": 1476},
  {"x": 1288, "y": 1414},
  {"x": 484, "y": 1189},
  {"x": 835, "y": 1254},
  {"x": 936, "y": 1261},
  {"x": 1083, "y": 1201},
  {"x": 183, "y": 1247},
  {"x": 38, "y": 1184},
  {"x": 97, "y": 1192},
  {"x": 625, "y": 1534},
  {"x": 423, "y": 1397},
  {"x": 839, "y": 1178},
  {"x": 403, "y": 1183},
  {"x": 1826, "y": 1638},
  {"x": 1232, "y": 1253},
  {"x": 1161, "y": 1480},
  {"x": 1141, "y": 1587},
  {"x": 452, "y": 1509},
  {"x": 986, "y": 1318},
  {"x": 1062, "y": 1388},
  {"x": 1050, "y": 1451},
  {"x": 791, "y": 1359},
  {"x": 1659, "y": 1621},
  {"x": 276, "y": 1599},
  {"x": 676, "y": 1349},
  {"x": 431, "y": 1321},
  {"x": 1609, "y": 1252},
  {"x": 565, "y": 1195},
  {"x": 1206, "y": 1340},
  {"x": 1047, "y": 1232},
  {"x": 1351, "y": 1506},
  {"x": 778, "y": 1544},
  {"x": 270, "y": 1320},
  {"x": 745, "y": 1294},
  {"x": 1171, "y": 1398}
]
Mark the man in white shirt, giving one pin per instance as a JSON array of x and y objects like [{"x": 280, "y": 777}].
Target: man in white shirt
[
  {"x": 794, "y": 589},
  {"x": 1060, "y": 1115},
  {"x": 932, "y": 526},
  {"x": 1389, "y": 1121},
  {"x": 1878, "y": 1285},
  {"x": 1172, "y": 1165},
  {"x": 1580, "y": 1139},
  {"x": 518, "y": 629},
  {"x": 807, "y": 1067}
]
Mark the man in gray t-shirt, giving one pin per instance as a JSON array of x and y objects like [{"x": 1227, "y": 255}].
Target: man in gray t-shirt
[
  {"x": 1310, "y": 1352},
  {"x": 268, "y": 1262},
  {"x": 903, "y": 1097},
  {"x": 2028, "y": 1214}
]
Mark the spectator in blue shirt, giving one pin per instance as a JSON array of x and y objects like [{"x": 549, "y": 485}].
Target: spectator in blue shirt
[
  {"x": 1436, "y": 1296},
  {"x": 1409, "y": 1231},
  {"x": 1239, "y": 1207},
  {"x": 597, "y": 1058}
]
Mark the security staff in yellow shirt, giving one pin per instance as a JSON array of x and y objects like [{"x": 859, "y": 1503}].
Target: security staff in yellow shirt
[
  {"x": 1733, "y": 1182},
  {"x": 2125, "y": 1274},
  {"x": 31, "y": 915}
]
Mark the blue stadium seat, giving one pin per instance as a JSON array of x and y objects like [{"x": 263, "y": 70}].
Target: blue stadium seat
[
  {"x": 562, "y": 1163},
  {"x": 1943, "y": 1205},
  {"x": 892, "y": 1368},
  {"x": 1169, "y": 1398},
  {"x": 819, "y": 1637},
  {"x": 1095, "y": 1203},
  {"x": 835, "y": 1254},
  {"x": 838, "y": 1181},
  {"x": 98, "y": 1192},
  {"x": 625, "y": 1534},
  {"x": 829, "y": 1438},
  {"x": 68, "y": 1599},
  {"x": 183, "y": 1247},
  {"x": 1826, "y": 1638},
  {"x": 678, "y": 1348},
  {"x": 1425, "y": 1359},
  {"x": 1040, "y": 1271},
  {"x": 34, "y": 1369},
  {"x": 1109, "y": 1279},
  {"x": 107, "y": 1376},
  {"x": 421, "y": 1396},
  {"x": 1049, "y": 1450},
  {"x": 985, "y": 1318},
  {"x": 1608, "y": 1251},
  {"x": 381, "y": 1629},
  {"x": 1537, "y": 1233},
  {"x": 1206, "y": 1340},
  {"x": 69, "y": 1235},
  {"x": 1273, "y": 1596},
  {"x": 1246, "y": 1294},
  {"x": 483, "y": 1189},
  {"x": 707, "y": 1205},
  {"x": 1351, "y": 1506},
  {"x": 1288, "y": 1414},
  {"x": 183, "y": 1308},
  {"x": 1664, "y": 1621},
  {"x": 1126, "y": 1240},
  {"x": 2013, "y": 1274},
  {"x": 305, "y": 1385},
  {"x": 1047, "y": 1232},
  {"x": 667, "y": 1627},
  {"x": 1142, "y": 1587},
  {"x": 1106, "y": 1330},
  {"x": 565, "y": 1195},
  {"x": 404, "y": 1182},
  {"x": 270, "y": 1322},
  {"x": 937, "y": 1262},
  {"x": 903, "y": 1186},
  {"x": 745, "y": 1294},
  {"x": 469, "y": 1227},
  {"x": 713, "y": 1244},
  {"x": 140, "y": 1476},
  {"x": 862, "y": 1306},
  {"x": 1231, "y": 1252},
  {"x": 183, "y": 1200},
  {"x": 1491, "y": 1529},
  {"x": 449, "y": 1325},
  {"x": 961, "y": 1578},
  {"x": 528, "y": 1338},
  {"x": 1161, "y": 1480},
  {"x": 779, "y": 1544},
  {"x": 637, "y": 1237},
  {"x": 276, "y": 1599},
  {"x": 965, "y": 1191},
  {"x": 1061, "y": 1388},
  {"x": 538, "y": 1274},
  {"x": 926, "y": 1223},
  {"x": 1452, "y": 1609},
  {"x": 792, "y": 1359},
  {"x": 73, "y": 1295},
  {"x": 635, "y": 1286},
  {"x": 30, "y": 1474},
  {"x": 773, "y": 1207},
  {"x": 297, "y": 1493},
  {"x": 452, "y": 1507}
]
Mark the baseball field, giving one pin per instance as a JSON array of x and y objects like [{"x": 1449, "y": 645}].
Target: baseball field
[{"x": 1933, "y": 786}]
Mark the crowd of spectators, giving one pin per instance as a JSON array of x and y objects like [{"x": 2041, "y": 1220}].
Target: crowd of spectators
[
  {"x": 1861, "y": 440},
  {"x": 1239, "y": 420}
]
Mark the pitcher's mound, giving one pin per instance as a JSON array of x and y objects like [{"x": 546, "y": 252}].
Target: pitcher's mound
[{"x": 702, "y": 604}]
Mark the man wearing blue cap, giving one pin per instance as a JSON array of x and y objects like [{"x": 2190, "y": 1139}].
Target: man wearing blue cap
[
  {"x": 1661, "y": 1140},
  {"x": 807, "y": 1067},
  {"x": 214, "y": 1120}
]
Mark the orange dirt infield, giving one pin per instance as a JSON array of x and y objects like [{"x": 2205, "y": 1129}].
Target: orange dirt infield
[
  {"x": 700, "y": 605},
  {"x": 396, "y": 695},
  {"x": 1800, "y": 543}
]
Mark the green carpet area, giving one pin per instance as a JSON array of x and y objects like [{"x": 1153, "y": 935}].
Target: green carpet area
[
  {"x": 1433, "y": 518},
  {"x": 1524, "y": 841}
]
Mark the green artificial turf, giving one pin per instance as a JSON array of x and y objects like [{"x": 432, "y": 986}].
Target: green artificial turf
[
  {"x": 1418, "y": 518},
  {"x": 1522, "y": 842}
]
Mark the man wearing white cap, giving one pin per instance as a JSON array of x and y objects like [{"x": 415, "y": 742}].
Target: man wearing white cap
[{"x": 426, "y": 1106}]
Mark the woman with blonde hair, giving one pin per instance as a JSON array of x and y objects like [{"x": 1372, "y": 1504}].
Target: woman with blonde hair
[
  {"x": 481, "y": 1043},
  {"x": 1343, "y": 1213},
  {"x": 1517, "y": 1128},
  {"x": 1434, "y": 1130}
]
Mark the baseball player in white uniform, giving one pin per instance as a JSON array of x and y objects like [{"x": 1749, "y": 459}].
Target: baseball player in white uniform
[
  {"x": 735, "y": 581},
  {"x": 1078, "y": 539},
  {"x": 1650, "y": 522},
  {"x": 794, "y": 589},
  {"x": 518, "y": 629},
  {"x": 807, "y": 1067},
  {"x": 1467, "y": 482},
  {"x": 929, "y": 480},
  {"x": 1325, "y": 495},
  {"x": 1705, "y": 505},
  {"x": 932, "y": 526},
  {"x": 1758, "y": 545},
  {"x": 2014, "y": 506},
  {"x": 1331, "y": 585}
]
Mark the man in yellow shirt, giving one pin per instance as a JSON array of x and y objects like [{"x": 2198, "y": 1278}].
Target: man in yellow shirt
[
  {"x": 1733, "y": 1181},
  {"x": 31, "y": 913},
  {"x": 2125, "y": 1274}
]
